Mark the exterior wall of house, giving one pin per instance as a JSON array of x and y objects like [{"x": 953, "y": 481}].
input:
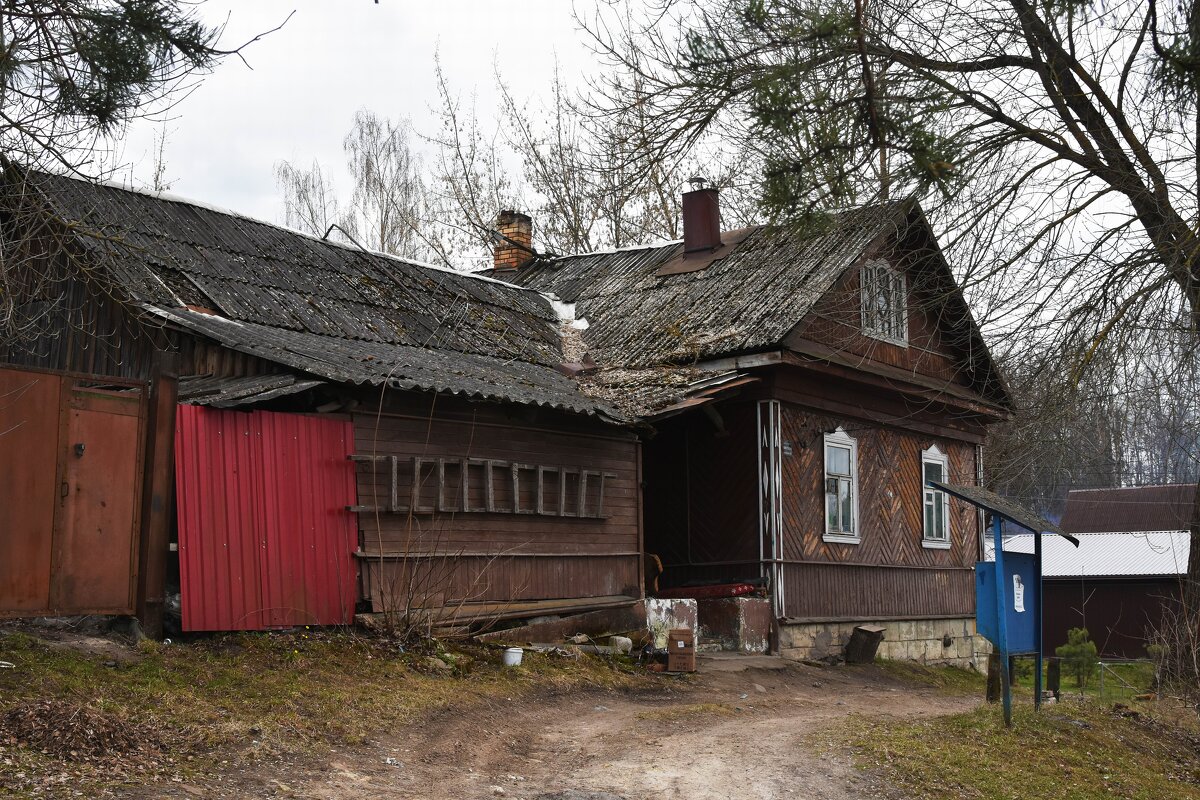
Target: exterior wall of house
[
  {"x": 87, "y": 331},
  {"x": 939, "y": 350},
  {"x": 950, "y": 641},
  {"x": 77, "y": 328},
  {"x": 574, "y": 532},
  {"x": 890, "y": 572}
]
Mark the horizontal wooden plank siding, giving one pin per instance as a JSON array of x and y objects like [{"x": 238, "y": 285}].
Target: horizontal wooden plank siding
[
  {"x": 545, "y": 551},
  {"x": 396, "y": 584},
  {"x": 847, "y": 591}
]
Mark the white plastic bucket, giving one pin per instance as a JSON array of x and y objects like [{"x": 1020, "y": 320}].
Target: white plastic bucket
[{"x": 512, "y": 656}]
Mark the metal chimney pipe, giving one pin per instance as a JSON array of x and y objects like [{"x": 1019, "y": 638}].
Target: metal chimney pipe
[{"x": 701, "y": 218}]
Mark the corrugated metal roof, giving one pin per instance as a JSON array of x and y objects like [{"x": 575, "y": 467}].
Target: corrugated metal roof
[
  {"x": 1140, "y": 508},
  {"x": 328, "y": 309},
  {"x": 1108, "y": 554}
]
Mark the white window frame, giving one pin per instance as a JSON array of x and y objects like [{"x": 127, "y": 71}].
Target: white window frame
[
  {"x": 840, "y": 438},
  {"x": 929, "y": 496},
  {"x": 871, "y": 274}
]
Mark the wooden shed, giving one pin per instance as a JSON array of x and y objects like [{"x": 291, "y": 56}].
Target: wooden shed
[
  {"x": 1128, "y": 571},
  {"x": 426, "y": 410}
]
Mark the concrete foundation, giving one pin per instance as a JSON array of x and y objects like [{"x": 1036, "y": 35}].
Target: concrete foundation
[
  {"x": 737, "y": 624},
  {"x": 664, "y": 615},
  {"x": 952, "y": 642}
]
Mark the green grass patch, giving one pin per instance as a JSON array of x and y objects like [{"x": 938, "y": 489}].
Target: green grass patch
[
  {"x": 1067, "y": 752},
  {"x": 240, "y": 697},
  {"x": 950, "y": 679},
  {"x": 1122, "y": 681}
]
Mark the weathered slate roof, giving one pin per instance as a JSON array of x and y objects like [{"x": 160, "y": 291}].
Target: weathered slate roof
[
  {"x": 744, "y": 302},
  {"x": 331, "y": 310},
  {"x": 645, "y": 324}
]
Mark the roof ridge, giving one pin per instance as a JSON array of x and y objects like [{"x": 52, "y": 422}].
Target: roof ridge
[{"x": 170, "y": 197}]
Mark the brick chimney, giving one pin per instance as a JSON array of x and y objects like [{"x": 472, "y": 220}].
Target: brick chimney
[
  {"x": 701, "y": 217},
  {"x": 514, "y": 245}
]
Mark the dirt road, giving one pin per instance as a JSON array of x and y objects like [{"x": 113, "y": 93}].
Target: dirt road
[{"x": 753, "y": 733}]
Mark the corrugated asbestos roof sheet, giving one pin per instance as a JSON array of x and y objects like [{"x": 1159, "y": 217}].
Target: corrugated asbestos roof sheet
[
  {"x": 746, "y": 301},
  {"x": 324, "y": 308},
  {"x": 400, "y": 366},
  {"x": 233, "y": 392},
  {"x": 1100, "y": 555},
  {"x": 1141, "y": 508}
]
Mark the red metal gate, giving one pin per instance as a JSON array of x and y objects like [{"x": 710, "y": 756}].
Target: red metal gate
[
  {"x": 265, "y": 540},
  {"x": 71, "y": 450}
]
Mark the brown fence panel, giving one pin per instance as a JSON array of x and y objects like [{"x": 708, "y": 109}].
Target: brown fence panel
[{"x": 70, "y": 490}]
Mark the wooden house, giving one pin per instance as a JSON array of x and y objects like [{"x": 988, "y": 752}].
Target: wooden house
[
  {"x": 802, "y": 385},
  {"x": 360, "y": 431},
  {"x": 354, "y": 430}
]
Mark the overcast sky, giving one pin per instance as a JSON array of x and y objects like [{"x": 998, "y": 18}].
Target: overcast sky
[{"x": 306, "y": 81}]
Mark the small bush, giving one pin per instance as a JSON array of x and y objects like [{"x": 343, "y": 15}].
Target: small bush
[{"x": 1078, "y": 656}]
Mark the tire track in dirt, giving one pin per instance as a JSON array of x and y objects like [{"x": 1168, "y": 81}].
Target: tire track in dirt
[{"x": 750, "y": 734}]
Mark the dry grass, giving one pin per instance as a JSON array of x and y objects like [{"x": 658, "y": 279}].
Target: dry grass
[
  {"x": 239, "y": 698},
  {"x": 1070, "y": 751},
  {"x": 683, "y": 712},
  {"x": 953, "y": 680}
]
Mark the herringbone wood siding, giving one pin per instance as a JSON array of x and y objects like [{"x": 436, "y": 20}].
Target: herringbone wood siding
[{"x": 890, "y": 524}]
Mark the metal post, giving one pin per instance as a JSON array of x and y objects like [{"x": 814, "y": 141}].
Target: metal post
[
  {"x": 1037, "y": 584},
  {"x": 1002, "y": 618}
]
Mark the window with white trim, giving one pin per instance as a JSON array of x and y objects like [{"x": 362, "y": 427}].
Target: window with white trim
[
  {"x": 841, "y": 487},
  {"x": 884, "y": 302},
  {"x": 935, "y": 467}
]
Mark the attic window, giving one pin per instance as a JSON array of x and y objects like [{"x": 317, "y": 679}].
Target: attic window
[{"x": 884, "y": 302}]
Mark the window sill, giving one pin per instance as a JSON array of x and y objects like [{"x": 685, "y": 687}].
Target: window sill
[
  {"x": 936, "y": 544},
  {"x": 883, "y": 337},
  {"x": 841, "y": 538}
]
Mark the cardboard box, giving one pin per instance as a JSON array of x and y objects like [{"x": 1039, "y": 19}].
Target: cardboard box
[{"x": 681, "y": 650}]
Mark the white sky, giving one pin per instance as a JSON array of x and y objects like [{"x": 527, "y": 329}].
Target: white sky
[{"x": 331, "y": 59}]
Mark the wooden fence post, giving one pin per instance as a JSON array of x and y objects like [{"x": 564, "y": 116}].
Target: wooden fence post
[
  {"x": 995, "y": 678},
  {"x": 158, "y": 485}
]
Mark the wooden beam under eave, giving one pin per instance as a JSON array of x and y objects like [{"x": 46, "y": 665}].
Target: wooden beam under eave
[{"x": 812, "y": 355}]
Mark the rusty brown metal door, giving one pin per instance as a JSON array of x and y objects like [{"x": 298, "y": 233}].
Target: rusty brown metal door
[{"x": 71, "y": 451}]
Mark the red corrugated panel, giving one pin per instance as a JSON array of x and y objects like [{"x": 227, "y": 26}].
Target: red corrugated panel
[{"x": 264, "y": 537}]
